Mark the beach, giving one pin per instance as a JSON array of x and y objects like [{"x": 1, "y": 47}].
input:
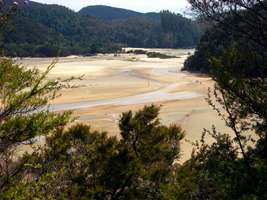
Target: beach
[{"x": 113, "y": 84}]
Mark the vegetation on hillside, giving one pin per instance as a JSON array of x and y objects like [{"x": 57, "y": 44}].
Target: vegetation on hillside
[
  {"x": 111, "y": 13},
  {"x": 50, "y": 30},
  {"x": 108, "y": 13}
]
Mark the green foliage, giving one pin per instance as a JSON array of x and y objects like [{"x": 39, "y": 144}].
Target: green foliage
[
  {"x": 214, "y": 41},
  {"x": 6, "y": 12},
  {"x": 51, "y": 30},
  {"x": 24, "y": 95},
  {"x": 233, "y": 167},
  {"x": 82, "y": 164},
  {"x": 235, "y": 32},
  {"x": 108, "y": 13},
  {"x": 179, "y": 31},
  {"x": 216, "y": 171}
]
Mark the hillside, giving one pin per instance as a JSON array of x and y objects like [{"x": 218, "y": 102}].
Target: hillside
[
  {"x": 50, "y": 30},
  {"x": 108, "y": 13}
]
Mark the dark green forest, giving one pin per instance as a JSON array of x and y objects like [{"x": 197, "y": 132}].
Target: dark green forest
[
  {"x": 218, "y": 39},
  {"x": 51, "y": 30},
  {"x": 109, "y": 13},
  {"x": 78, "y": 163}
]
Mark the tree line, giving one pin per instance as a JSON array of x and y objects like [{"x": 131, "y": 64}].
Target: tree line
[{"x": 51, "y": 30}]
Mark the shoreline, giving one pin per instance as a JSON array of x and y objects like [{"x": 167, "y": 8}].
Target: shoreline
[{"x": 115, "y": 84}]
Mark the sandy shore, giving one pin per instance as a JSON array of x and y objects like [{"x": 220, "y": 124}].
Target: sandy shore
[{"x": 115, "y": 84}]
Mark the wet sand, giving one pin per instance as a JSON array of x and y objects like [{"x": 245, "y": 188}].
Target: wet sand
[
  {"x": 161, "y": 95},
  {"x": 115, "y": 84}
]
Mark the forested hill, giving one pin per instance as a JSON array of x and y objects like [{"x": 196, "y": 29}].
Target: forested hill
[
  {"x": 108, "y": 13},
  {"x": 50, "y": 30},
  {"x": 111, "y": 13}
]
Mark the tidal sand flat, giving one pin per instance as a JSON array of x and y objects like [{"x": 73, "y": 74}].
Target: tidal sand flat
[{"x": 113, "y": 84}]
